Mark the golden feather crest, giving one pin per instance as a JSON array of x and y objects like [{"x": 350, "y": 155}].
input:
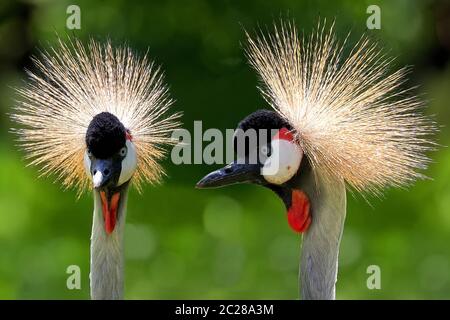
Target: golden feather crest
[
  {"x": 76, "y": 82},
  {"x": 352, "y": 118}
]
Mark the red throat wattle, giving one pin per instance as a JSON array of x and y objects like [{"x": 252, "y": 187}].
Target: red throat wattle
[
  {"x": 298, "y": 215},
  {"x": 109, "y": 209}
]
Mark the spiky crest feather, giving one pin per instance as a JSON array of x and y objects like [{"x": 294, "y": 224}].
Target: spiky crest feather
[
  {"x": 74, "y": 83},
  {"x": 352, "y": 118}
]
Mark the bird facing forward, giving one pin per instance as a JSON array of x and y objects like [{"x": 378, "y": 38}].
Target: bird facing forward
[
  {"x": 97, "y": 118},
  {"x": 343, "y": 121}
]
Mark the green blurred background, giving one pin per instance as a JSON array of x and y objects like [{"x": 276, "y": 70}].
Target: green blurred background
[{"x": 232, "y": 242}]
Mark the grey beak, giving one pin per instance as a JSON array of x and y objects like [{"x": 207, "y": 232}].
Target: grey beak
[
  {"x": 230, "y": 174},
  {"x": 102, "y": 172}
]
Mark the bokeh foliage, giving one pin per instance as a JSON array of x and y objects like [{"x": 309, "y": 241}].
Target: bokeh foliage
[{"x": 232, "y": 242}]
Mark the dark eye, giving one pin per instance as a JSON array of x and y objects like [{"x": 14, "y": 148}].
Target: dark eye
[
  {"x": 266, "y": 150},
  {"x": 89, "y": 153},
  {"x": 123, "y": 152}
]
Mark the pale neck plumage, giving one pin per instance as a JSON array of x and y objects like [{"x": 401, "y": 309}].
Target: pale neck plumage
[
  {"x": 320, "y": 247},
  {"x": 107, "y": 261}
]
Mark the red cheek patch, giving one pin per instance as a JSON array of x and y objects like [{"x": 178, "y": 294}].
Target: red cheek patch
[
  {"x": 298, "y": 215},
  {"x": 284, "y": 134}
]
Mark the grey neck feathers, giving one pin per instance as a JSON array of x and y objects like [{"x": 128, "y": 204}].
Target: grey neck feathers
[
  {"x": 107, "y": 261},
  {"x": 320, "y": 246}
]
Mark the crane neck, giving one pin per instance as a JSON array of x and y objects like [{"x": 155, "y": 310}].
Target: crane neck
[
  {"x": 320, "y": 245},
  {"x": 107, "y": 260}
]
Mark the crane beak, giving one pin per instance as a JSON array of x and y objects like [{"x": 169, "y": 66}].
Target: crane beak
[
  {"x": 104, "y": 173},
  {"x": 231, "y": 174}
]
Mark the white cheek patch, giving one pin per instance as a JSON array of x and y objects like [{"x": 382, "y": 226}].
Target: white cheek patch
[
  {"x": 283, "y": 162},
  {"x": 129, "y": 164}
]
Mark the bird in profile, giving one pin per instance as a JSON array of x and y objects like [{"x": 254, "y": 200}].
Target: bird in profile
[
  {"x": 343, "y": 122},
  {"x": 97, "y": 118}
]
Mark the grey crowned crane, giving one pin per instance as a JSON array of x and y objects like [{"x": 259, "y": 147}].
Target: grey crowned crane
[
  {"x": 97, "y": 118},
  {"x": 343, "y": 122}
]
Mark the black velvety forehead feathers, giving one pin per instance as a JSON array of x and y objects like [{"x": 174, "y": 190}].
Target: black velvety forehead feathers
[
  {"x": 105, "y": 136},
  {"x": 262, "y": 119}
]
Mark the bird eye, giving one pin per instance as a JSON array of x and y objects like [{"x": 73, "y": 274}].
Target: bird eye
[
  {"x": 266, "y": 150},
  {"x": 123, "y": 151}
]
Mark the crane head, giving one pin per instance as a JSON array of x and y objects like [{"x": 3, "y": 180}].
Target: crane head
[
  {"x": 110, "y": 161},
  {"x": 273, "y": 160},
  {"x": 95, "y": 108},
  {"x": 347, "y": 112},
  {"x": 110, "y": 157}
]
